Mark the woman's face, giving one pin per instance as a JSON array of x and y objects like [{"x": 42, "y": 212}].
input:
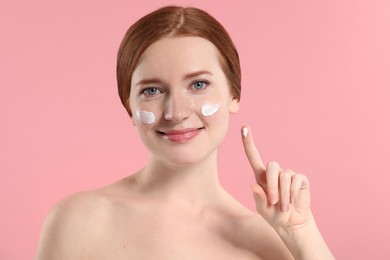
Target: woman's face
[{"x": 180, "y": 99}]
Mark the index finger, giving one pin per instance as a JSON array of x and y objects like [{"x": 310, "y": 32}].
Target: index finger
[{"x": 251, "y": 150}]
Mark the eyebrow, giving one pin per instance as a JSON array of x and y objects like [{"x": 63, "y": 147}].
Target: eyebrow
[
  {"x": 186, "y": 77},
  {"x": 197, "y": 73}
]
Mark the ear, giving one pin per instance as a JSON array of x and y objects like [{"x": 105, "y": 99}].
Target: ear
[
  {"x": 132, "y": 120},
  {"x": 128, "y": 109},
  {"x": 131, "y": 117},
  {"x": 234, "y": 105}
]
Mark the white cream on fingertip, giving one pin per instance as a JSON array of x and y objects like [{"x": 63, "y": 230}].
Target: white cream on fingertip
[
  {"x": 210, "y": 109},
  {"x": 145, "y": 117},
  {"x": 245, "y": 132}
]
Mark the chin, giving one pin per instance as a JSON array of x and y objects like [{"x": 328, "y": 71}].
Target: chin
[
  {"x": 183, "y": 161},
  {"x": 184, "y": 157}
]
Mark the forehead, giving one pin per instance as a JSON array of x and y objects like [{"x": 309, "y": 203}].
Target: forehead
[{"x": 178, "y": 55}]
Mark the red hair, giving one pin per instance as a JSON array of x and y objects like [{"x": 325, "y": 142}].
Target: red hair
[{"x": 174, "y": 21}]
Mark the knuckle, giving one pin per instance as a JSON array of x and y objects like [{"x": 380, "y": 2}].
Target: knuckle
[
  {"x": 298, "y": 176},
  {"x": 273, "y": 164},
  {"x": 302, "y": 179},
  {"x": 286, "y": 174},
  {"x": 301, "y": 176},
  {"x": 292, "y": 173}
]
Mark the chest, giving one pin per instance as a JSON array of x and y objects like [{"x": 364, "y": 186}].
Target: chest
[
  {"x": 162, "y": 237},
  {"x": 148, "y": 247}
]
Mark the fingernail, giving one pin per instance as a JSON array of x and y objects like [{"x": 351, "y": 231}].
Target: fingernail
[{"x": 245, "y": 132}]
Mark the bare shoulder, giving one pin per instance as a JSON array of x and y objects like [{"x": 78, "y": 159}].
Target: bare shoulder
[{"x": 71, "y": 225}]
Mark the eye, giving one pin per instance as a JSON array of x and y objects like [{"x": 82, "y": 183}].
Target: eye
[
  {"x": 199, "y": 85},
  {"x": 151, "y": 91}
]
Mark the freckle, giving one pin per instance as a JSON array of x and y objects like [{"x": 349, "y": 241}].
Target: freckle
[{"x": 124, "y": 246}]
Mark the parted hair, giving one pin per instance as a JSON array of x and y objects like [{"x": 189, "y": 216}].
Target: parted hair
[{"x": 175, "y": 21}]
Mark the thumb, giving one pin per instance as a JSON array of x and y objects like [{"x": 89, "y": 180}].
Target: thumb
[{"x": 260, "y": 198}]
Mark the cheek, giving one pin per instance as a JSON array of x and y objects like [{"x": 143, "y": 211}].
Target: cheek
[
  {"x": 144, "y": 114},
  {"x": 210, "y": 108},
  {"x": 145, "y": 117},
  {"x": 216, "y": 117},
  {"x": 215, "y": 112}
]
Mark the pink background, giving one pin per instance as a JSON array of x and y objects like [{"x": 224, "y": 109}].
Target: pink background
[{"x": 316, "y": 80}]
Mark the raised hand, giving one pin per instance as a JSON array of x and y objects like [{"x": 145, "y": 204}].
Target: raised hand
[
  {"x": 282, "y": 196},
  {"x": 283, "y": 199}
]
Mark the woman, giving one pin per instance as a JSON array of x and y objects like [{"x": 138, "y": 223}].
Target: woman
[{"x": 179, "y": 79}]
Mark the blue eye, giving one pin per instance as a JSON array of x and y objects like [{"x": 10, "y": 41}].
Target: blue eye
[
  {"x": 150, "y": 91},
  {"x": 199, "y": 85}
]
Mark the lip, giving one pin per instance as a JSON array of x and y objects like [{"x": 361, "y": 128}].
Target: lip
[{"x": 180, "y": 135}]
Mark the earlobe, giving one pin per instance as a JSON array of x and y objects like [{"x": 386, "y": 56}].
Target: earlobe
[
  {"x": 132, "y": 120},
  {"x": 234, "y": 105}
]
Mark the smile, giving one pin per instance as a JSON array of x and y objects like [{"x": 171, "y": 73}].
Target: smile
[{"x": 180, "y": 136}]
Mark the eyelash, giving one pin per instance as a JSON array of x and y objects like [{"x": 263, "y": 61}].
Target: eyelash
[
  {"x": 199, "y": 81},
  {"x": 144, "y": 91},
  {"x": 205, "y": 82}
]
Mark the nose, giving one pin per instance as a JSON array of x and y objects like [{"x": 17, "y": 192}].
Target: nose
[{"x": 178, "y": 108}]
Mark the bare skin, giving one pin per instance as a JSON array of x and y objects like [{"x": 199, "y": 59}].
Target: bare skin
[
  {"x": 175, "y": 207},
  {"x": 118, "y": 222}
]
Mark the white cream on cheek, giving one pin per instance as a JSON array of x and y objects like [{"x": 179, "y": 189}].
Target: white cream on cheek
[
  {"x": 210, "y": 109},
  {"x": 145, "y": 117}
]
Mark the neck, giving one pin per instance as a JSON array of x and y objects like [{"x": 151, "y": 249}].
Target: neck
[{"x": 190, "y": 184}]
